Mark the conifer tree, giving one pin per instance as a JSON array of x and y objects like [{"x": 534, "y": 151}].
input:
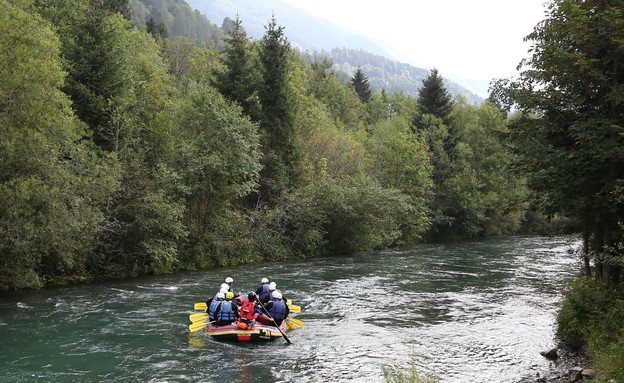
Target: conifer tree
[
  {"x": 281, "y": 152},
  {"x": 433, "y": 98},
  {"x": 361, "y": 85},
  {"x": 157, "y": 29},
  {"x": 237, "y": 81}
]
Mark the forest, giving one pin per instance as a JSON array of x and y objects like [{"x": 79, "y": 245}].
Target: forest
[
  {"x": 129, "y": 148},
  {"x": 128, "y": 152}
]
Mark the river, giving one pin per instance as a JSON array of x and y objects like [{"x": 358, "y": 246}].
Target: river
[{"x": 478, "y": 311}]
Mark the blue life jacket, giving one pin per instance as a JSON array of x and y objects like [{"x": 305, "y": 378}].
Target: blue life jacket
[
  {"x": 278, "y": 311},
  {"x": 265, "y": 294},
  {"x": 213, "y": 307},
  {"x": 226, "y": 313}
]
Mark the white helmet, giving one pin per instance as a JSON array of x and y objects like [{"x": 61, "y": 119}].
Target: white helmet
[
  {"x": 220, "y": 295},
  {"x": 277, "y": 295},
  {"x": 229, "y": 280},
  {"x": 264, "y": 280},
  {"x": 272, "y": 286}
]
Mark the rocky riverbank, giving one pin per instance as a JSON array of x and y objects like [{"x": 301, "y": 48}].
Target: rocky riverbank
[{"x": 567, "y": 366}]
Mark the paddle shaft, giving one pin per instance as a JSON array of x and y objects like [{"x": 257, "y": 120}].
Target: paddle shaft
[{"x": 269, "y": 315}]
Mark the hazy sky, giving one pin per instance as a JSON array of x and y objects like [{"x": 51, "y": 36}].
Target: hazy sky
[{"x": 474, "y": 40}]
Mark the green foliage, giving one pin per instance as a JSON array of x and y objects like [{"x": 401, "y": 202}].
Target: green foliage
[
  {"x": 120, "y": 158},
  {"x": 53, "y": 182},
  {"x": 281, "y": 149},
  {"x": 592, "y": 315},
  {"x": 401, "y": 161},
  {"x": 433, "y": 98},
  {"x": 570, "y": 136},
  {"x": 238, "y": 81},
  {"x": 342, "y": 101},
  {"x": 475, "y": 193},
  {"x": 361, "y": 215},
  {"x": 178, "y": 19},
  {"x": 383, "y": 73},
  {"x": 400, "y": 374},
  {"x": 484, "y": 197},
  {"x": 360, "y": 83},
  {"x": 218, "y": 156}
]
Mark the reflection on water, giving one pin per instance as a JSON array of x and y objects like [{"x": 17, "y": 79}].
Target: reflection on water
[{"x": 469, "y": 312}]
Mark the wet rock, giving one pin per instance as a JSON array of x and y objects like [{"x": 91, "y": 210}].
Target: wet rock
[
  {"x": 550, "y": 354},
  {"x": 588, "y": 373},
  {"x": 575, "y": 374}
]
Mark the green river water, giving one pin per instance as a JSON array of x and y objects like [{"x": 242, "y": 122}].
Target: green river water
[{"x": 478, "y": 311}]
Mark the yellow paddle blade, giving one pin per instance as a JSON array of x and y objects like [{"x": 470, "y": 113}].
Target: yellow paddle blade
[
  {"x": 201, "y": 317},
  {"x": 194, "y": 327},
  {"x": 289, "y": 325},
  {"x": 295, "y": 322},
  {"x": 294, "y": 309},
  {"x": 201, "y": 306},
  {"x": 288, "y": 302},
  {"x": 197, "y": 342}
]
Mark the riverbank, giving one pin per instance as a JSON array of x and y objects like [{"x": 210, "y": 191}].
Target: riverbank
[{"x": 564, "y": 368}]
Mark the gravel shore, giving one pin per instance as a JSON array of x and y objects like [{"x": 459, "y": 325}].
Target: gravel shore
[{"x": 567, "y": 360}]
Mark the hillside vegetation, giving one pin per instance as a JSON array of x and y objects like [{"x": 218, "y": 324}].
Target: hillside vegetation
[
  {"x": 132, "y": 151},
  {"x": 347, "y": 50},
  {"x": 128, "y": 151}
]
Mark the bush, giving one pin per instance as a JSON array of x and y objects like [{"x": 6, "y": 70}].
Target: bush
[{"x": 592, "y": 315}]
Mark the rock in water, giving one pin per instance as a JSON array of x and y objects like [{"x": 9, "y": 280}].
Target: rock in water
[{"x": 550, "y": 354}]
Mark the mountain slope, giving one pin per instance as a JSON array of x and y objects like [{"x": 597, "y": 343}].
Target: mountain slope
[
  {"x": 390, "y": 75},
  {"x": 304, "y": 30},
  {"x": 348, "y": 50}
]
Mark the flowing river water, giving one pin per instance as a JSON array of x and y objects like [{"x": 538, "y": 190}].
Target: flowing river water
[{"x": 478, "y": 311}]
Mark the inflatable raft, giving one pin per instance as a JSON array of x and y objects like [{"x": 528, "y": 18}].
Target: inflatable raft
[{"x": 258, "y": 333}]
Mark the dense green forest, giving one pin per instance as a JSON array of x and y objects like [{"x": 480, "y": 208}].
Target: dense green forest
[{"x": 130, "y": 148}]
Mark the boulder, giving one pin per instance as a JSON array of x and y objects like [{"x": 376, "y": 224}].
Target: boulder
[
  {"x": 575, "y": 374},
  {"x": 550, "y": 354}
]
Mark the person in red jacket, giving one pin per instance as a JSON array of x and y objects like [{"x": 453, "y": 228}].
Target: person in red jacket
[{"x": 247, "y": 314}]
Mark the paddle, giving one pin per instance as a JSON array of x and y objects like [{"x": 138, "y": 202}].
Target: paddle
[
  {"x": 198, "y": 317},
  {"x": 294, "y": 309},
  {"x": 201, "y": 306},
  {"x": 280, "y": 330},
  {"x": 294, "y": 322},
  {"x": 193, "y": 327},
  {"x": 290, "y": 326}
]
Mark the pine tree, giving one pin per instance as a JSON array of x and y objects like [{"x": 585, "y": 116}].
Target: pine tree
[
  {"x": 157, "y": 29},
  {"x": 361, "y": 85},
  {"x": 281, "y": 153},
  {"x": 433, "y": 98},
  {"x": 238, "y": 80}
]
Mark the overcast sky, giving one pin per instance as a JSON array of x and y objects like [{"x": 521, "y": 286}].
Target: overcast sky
[{"x": 474, "y": 40}]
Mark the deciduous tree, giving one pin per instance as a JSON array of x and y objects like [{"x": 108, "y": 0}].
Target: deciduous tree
[{"x": 571, "y": 136}]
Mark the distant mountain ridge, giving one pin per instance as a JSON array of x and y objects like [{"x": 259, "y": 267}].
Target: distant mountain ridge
[
  {"x": 348, "y": 50},
  {"x": 390, "y": 75},
  {"x": 298, "y": 23}
]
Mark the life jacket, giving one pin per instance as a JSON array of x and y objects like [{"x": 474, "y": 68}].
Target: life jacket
[
  {"x": 213, "y": 307},
  {"x": 226, "y": 314},
  {"x": 247, "y": 310},
  {"x": 278, "y": 311},
  {"x": 265, "y": 294}
]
